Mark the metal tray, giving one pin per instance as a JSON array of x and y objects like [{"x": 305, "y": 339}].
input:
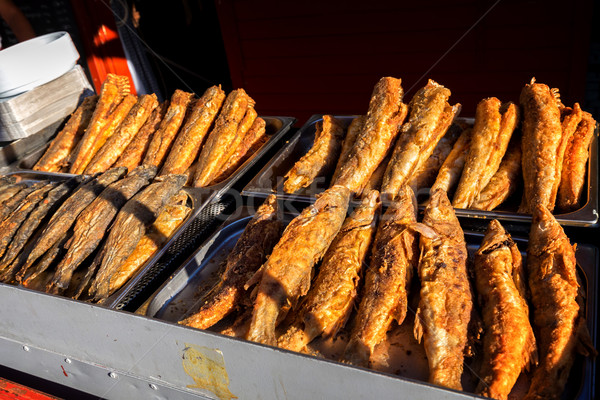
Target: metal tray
[
  {"x": 179, "y": 294},
  {"x": 276, "y": 127},
  {"x": 270, "y": 180},
  {"x": 12, "y": 152},
  {"x": 198, "y": 199}
]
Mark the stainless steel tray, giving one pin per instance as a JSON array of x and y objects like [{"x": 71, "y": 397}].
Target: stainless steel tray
[
  {"x": 276, "y": 127},
  {"x": 12, "y": 152},
  {"x": 198, "y": 199},
  {"x": 270, "y": 180},
  {"x": 180, "y": 294}
]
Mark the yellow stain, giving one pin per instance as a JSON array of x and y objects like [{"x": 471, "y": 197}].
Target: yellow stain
[{"x": 206, "y": 367}]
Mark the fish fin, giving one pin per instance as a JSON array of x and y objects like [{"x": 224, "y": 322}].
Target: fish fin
[
  {"x": 418, "y": 329},
  {"x": 425, "y": 230},
  {"x": 256, "y": 278},
  {"x": 531, "y": 355}
]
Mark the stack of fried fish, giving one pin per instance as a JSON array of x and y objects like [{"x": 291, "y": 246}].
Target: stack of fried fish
[
  {"x": 351, "y": 278},
  {"x": 317, "y": 280},
  {"x": 205, "y": 138},
  {"x": 86, "y": 236},
  {"x": 480, "y": 165}
]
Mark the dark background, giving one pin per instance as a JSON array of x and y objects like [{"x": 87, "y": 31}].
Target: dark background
[{"x": 301, "y": 58}]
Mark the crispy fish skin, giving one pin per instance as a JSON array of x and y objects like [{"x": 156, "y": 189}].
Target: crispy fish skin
[
  {"x": 114, "y": 89},
  {"x": 450, "y": 171},
  {"x": 429, "y": 119},
  {"x": 226, "y": 135},
  {"x": 349, "y": 139},
  {"x": 374, "y": 182},
  {"x": 385, "y": 294},
  {"x": 92, "y": 223},
  {"x": 93, "y": 144},
  {"x": 134, "y": 153},
  {"x": 10, "y": 205},
  {"x": 116, "y": 143},
  {"x": 65, "y": 217},
  {"x": 50, "y": 203},
  {"x": 57, "y": 154},
  {"x": 504, "y": 182},
  {"x": 445, "y": 305},
  {"x": 319, "y": 160},
  {"x": 572, "y": 179},
  {"x": 384, "y": 118},
  {"x": 129, "y": 227},
  {"x": 287, "y": 273},
  {"x": 161, "y": 230},
  {"x": 508, "y": 343},
  {"x": 330, "y": 301},
  {"x": 191, "y": 137},
  {"x": 6, "y": 181},
  {"x": 558, "y": 314},
  {"x": 542, "y": 133},
  {"x": 427, "y": 173},
  {"x": 253, "y": 141},
  {"x": 11, "y": 190},
  {"x": 10, "y": 225},
  {"x": 494, "y": 125},
  {"x": 571, "y": 117},
  {"x": 169, "y": 126},
  {"x": 248, "y": 254}
]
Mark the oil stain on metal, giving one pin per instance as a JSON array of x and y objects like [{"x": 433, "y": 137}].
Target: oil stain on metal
[{"x": 206, "y": 367}]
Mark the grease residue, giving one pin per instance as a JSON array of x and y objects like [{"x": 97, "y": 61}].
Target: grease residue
[{"x": 206, "y": 367}]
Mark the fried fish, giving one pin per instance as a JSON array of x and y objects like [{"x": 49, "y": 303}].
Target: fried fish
[
  {"x": 191, "y": 137},
  {"x": 28, "y": 227},
  {"x": 64, "y": 218},
  {"x": 384, "y": 118},
  {"x": 542, "y": 134},
  {"x": 429, "y": 119},
  {"x": 117, "y": 142},
  {"x": 558, "y": 315},
  {"x": 385, "y": 294},
  {"x": 504, "y": 182},
  {"x": 320, "y": 159},
  {"x": 227, "y": 134},
  {"x": 287, "y": 273},
  {"x": 572, "y": 179},
  {"x": 494, "y": 126},
  {"x": 169, "y": 126},
  {"x": 92, "y": 223},
  {"x": 508, "y": 342},
  {"x": 60, "y": 148},
  {"x": 10, "y": 225},
  {"x": 253, "y": 140},
  {"x": 328, "y": 304},
  {"x": 167, "y": 222},
  {"x": 248, "y": 254},
  {"x": 446, "y": 302},
  {"x": 129, "y": 227},
  {"x": 134, "y": 153},
  {"x": 114, "y": 89},
  {"x": 450, "y": 171},
  {"x": 352, "y": 133},
  {"x": 92, "y": 141}
]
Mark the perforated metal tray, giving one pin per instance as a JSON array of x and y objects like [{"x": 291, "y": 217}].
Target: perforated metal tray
[
  {"x": 180, "y": 294},
  {"x": 269, "y": 180}
]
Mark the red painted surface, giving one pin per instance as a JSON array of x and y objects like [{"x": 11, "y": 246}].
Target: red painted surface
[
  {"x": 103, "y": 48},
  {"x": 309, "y": 57},
  {"x": 14, "y": 391}
]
